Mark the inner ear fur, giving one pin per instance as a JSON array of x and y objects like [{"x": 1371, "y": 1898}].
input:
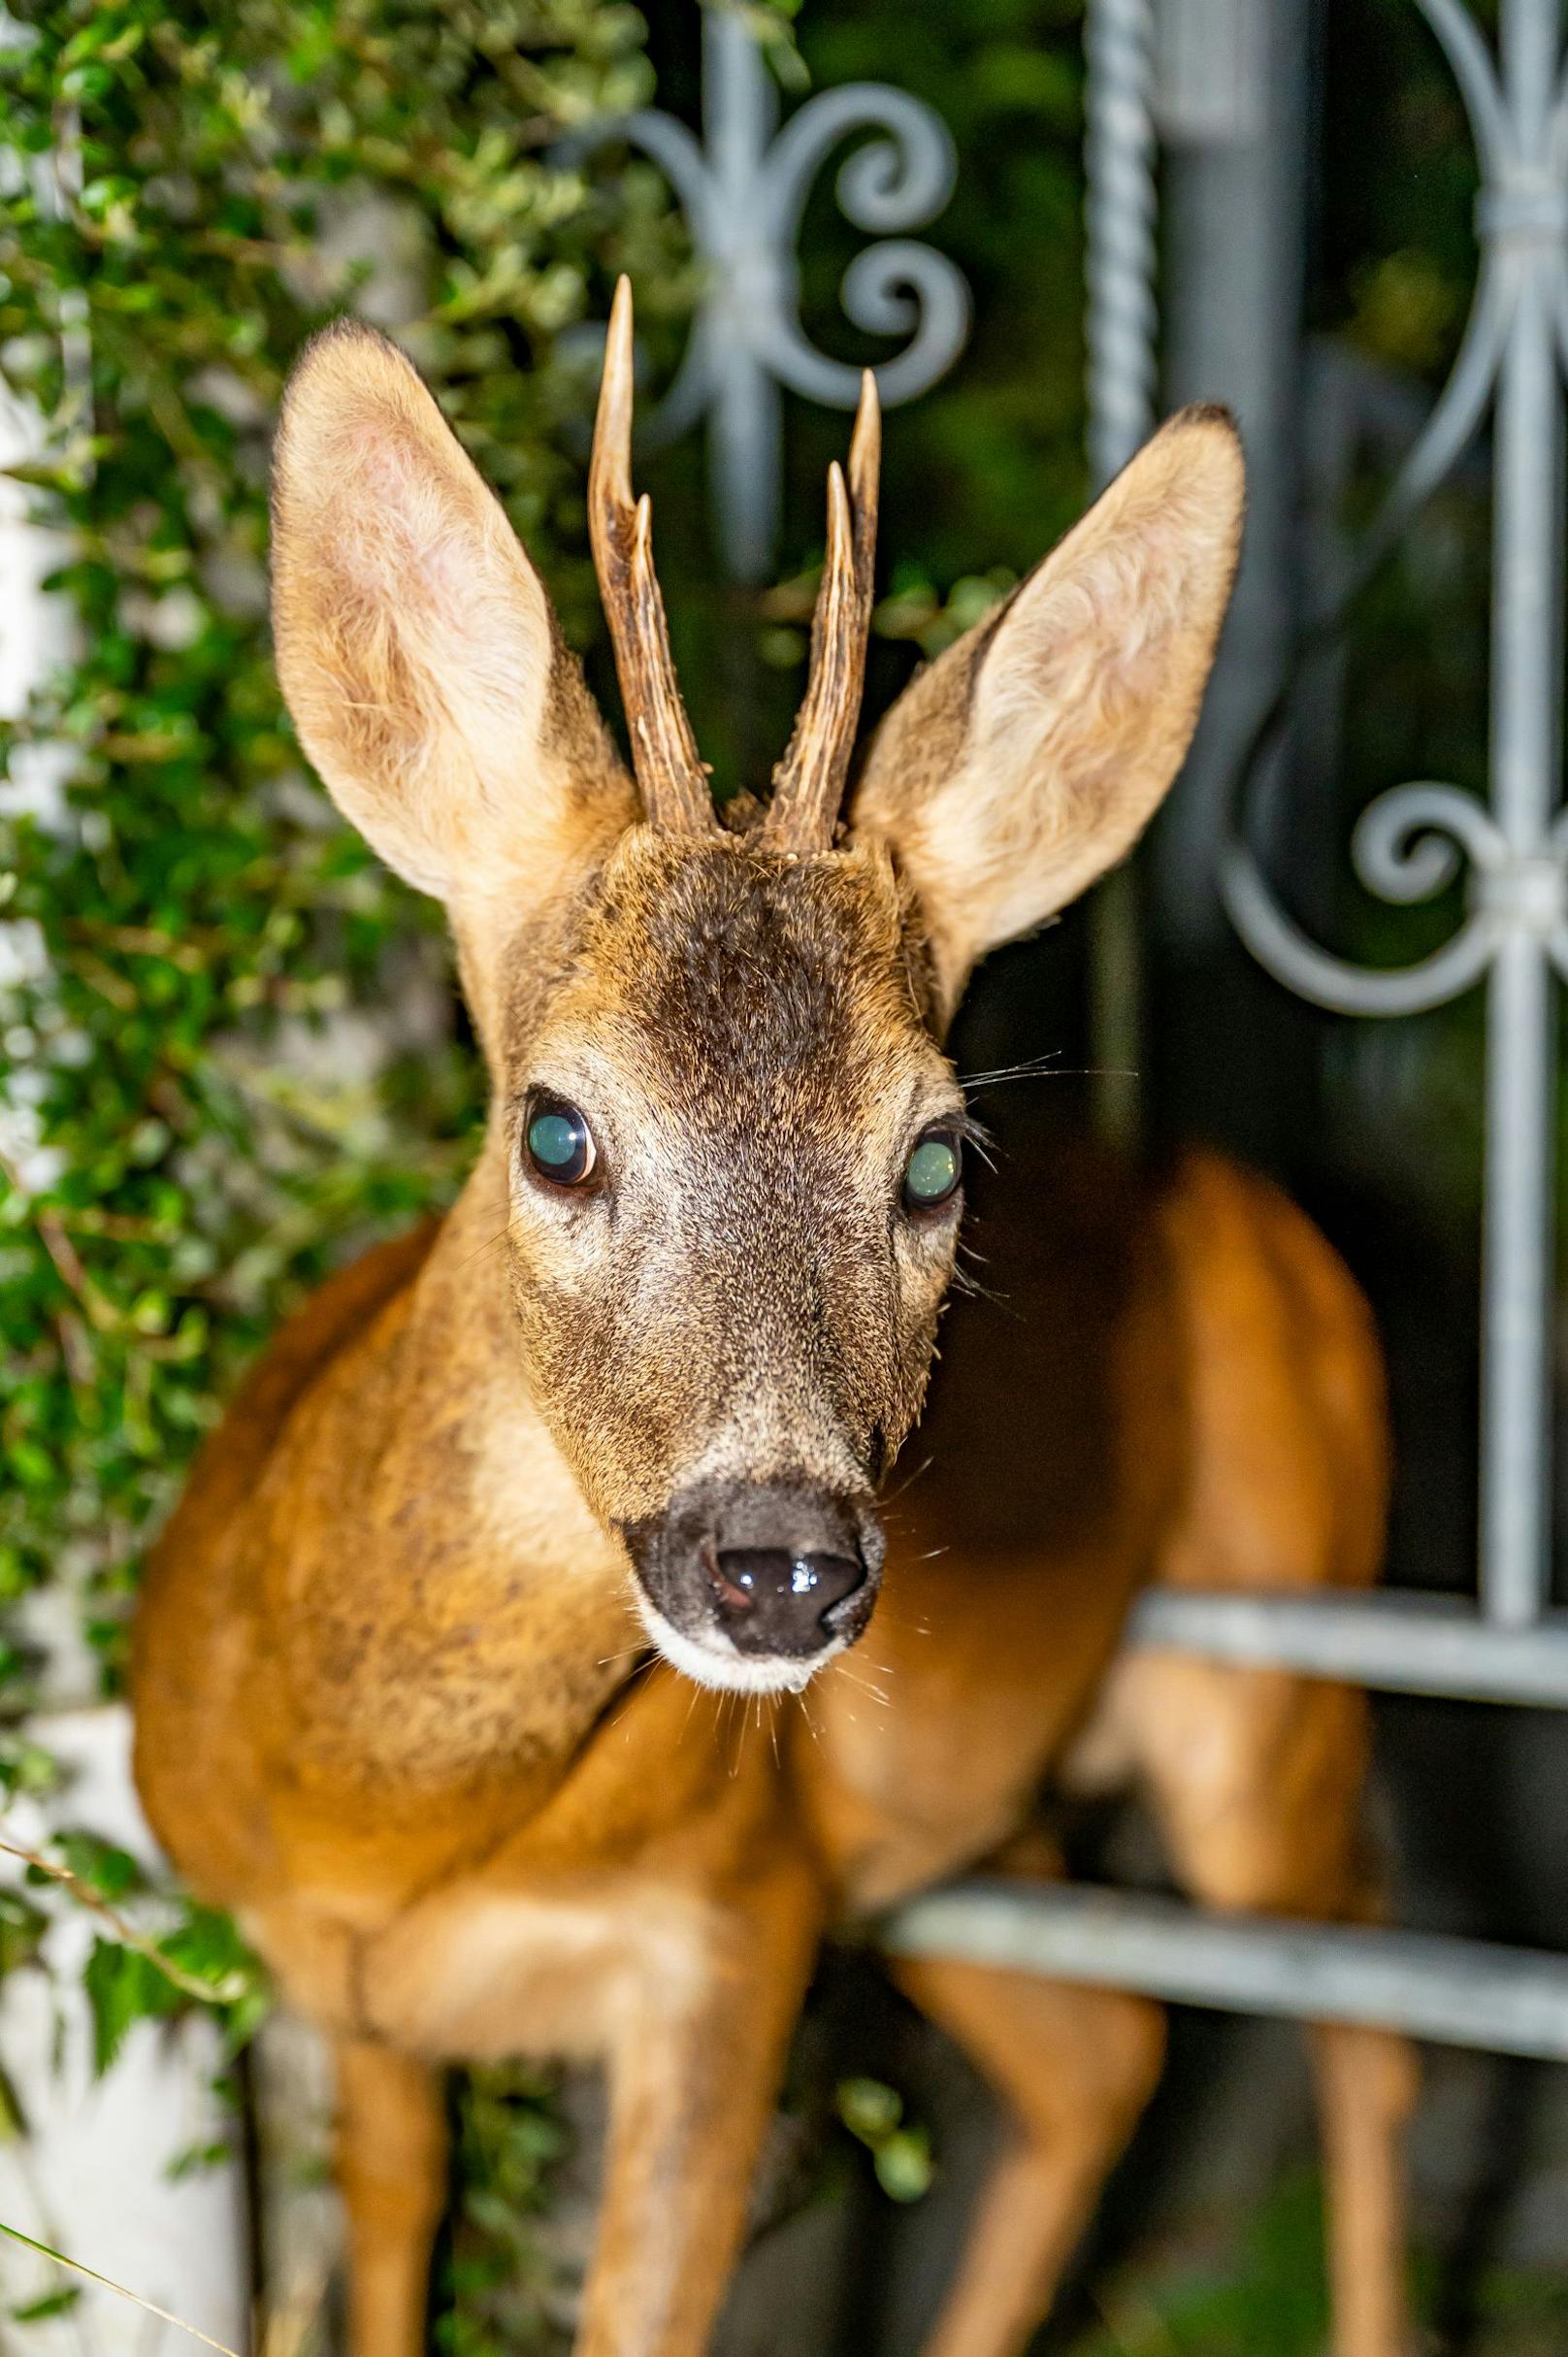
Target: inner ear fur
[
  {"x": 416, "y": 646},
  {"x": 1027, "y": 758}
]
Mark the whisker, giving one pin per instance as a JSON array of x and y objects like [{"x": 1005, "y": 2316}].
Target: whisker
[
  {"x": 909, "y": 1480},
  {"x": 1011, "y": 1071},
  {"x": 977, "y": 1136},
  {"x": 631, "y": 1653},
  {"x": 627, "y": 1696},
  {"x": 1037, "y": 1071},
  {"x": 891, "y": 1617},
  {"x": 966, "y": 1282},
  {"x": 481, "y": 1251},
  {"x": 976, "y": 1289}
]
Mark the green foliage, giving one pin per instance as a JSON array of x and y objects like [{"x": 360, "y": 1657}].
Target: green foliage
[
  {"x": 1264, "y": 2288},
  {"x": 126, "y": 1984},
  {"x": 199, "y": 1959},
  {"x": 194, "y": 1115},
  {"x": 22, "y": 1926},
  {"x": 202, "y": 1104},
  {"x": 196, "y": 2159},
  {"x": 503, "y": 2290},
  {"x": 113, "y": 1872},
  {"x": 28, "y": 1771},
  {"x": 1269, "y": 2293},
  {"x": 900, "y": 2151},
  {"x": 50, "y": 2304}
]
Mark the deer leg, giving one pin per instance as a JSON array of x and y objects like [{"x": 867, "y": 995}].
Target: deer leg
[
  {"x": 1366, "y": 2091},
  {"x": 1074, "y": 2068},
  {"x": 693, "y": 2076},
  {"x": 1256, "y": 1778},
  {"x": 392, "y": 2173}
]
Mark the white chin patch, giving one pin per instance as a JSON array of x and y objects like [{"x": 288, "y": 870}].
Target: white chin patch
[{"x": 709, "y": 1661}]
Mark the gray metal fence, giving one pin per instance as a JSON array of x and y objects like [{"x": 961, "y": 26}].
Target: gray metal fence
[
  {"x": 1408, "y": 846},
  {"x": 1507, "y": 1644}
]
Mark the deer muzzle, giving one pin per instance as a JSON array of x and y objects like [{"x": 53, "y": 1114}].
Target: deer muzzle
[{"x": 755, "y": 1585}]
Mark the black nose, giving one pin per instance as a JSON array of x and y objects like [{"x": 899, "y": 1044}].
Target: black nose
[
  {"x": 780, "y": 1569},
  {"x": 779, "y": 1600},
  {"x": 789, "y": 1566}
]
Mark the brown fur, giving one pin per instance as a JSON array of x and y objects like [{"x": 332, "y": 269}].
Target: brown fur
[{"x": 395, "y": 1702}]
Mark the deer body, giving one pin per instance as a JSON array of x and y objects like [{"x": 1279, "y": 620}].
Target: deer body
[{"x": 496, "y": 1667}]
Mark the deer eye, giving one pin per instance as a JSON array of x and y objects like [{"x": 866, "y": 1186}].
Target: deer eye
[
  {"x": 559, "y": 1143},
  {"x": 932, "y": 1173}
]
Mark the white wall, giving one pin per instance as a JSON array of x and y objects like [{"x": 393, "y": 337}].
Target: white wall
[{"x": 90, "y": 2177}]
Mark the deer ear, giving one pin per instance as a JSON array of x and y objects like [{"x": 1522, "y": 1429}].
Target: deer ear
[
  {"x": 416, "y": 644},
  {"x": 1030, "y": 756}
]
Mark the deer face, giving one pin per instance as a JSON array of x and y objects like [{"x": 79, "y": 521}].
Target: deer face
[{"x": 732, "y": 1141}]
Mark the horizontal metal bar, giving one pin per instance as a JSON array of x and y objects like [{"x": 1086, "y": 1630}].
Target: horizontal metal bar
[
  {"x": 1410, "y": 1645},
  {"x": 1458, "y": 1992}
]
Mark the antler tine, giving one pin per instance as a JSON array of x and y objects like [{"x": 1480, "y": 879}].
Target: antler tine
[
  {"x": 670, "y": 777},
  {"x": 865, "y": 475},
  {"x": 808, "y": 784}
]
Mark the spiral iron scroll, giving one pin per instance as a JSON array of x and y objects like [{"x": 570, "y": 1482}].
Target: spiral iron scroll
[
  {"x": 743, "y": 190},
  {"x": 1413, "y": 840}
]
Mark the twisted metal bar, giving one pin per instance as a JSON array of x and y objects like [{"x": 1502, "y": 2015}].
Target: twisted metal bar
[
  {"x": 1123, "y": 363},
  {"x": 1119, "y": 224}
]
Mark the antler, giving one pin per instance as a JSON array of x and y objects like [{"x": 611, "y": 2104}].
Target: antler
[
  {"x": 809, "y": 783},
  {"x": 672, "y": 780}
]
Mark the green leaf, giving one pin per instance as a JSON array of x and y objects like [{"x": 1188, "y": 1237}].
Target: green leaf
[
  {"x": 53, "y": 2304},
  {"x": 196, "y": 2159},
  {"x": 123, "y": 1988},
  {"x": 22, "y": 1927},
  {"x": 110, "y": 1871},
  {"x": 13, "y": 2120},
  {"x": 868, "y": 2110},
  {"x": 903, "y": 2164}
]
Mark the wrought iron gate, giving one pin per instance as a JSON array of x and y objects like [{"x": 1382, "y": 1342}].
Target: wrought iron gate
[
  {"x": 1515, "y": 934},
  {"x": 1507, "y": 1644}
]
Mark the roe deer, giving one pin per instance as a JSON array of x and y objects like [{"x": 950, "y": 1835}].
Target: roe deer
[{"x": 434, "y": 1660}]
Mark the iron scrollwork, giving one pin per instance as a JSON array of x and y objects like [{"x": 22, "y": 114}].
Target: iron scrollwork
[
  {"x": 743, "y": 193},
  {"x": 1409, "y": 845}
]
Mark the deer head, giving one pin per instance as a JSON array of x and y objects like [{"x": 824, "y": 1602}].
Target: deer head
[{"x": 732, "y": 1140}]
